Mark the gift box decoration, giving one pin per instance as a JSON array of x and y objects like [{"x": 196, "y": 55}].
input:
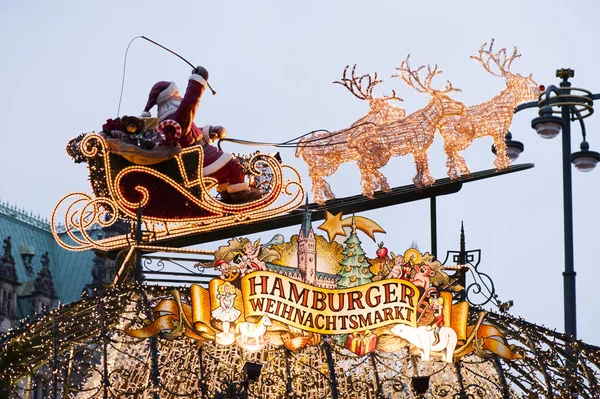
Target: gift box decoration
[{"x": 361, "y": 344}]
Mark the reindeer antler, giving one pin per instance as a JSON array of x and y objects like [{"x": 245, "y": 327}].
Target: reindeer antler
[
  {"x": 411, "y": 77},
  {"x": 355, "y": 84},
  {"x": 500, "y": 58},
  {"x": 392, "y": 97}
]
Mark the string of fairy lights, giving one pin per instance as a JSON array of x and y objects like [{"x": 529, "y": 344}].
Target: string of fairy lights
[
  {"x": 386, "y": 131},
  {"x": 81, "y": 351},
  {"x": 80, "y": 211}
]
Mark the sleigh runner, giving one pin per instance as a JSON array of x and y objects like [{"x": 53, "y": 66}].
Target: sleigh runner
[{"x": 167, "y": 186}]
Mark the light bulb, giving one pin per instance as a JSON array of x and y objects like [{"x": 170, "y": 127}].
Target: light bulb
[
  {"x": 548, "y": 130},
  {"x": 513, "y": 153},
  {"x": 585, "y": 164}
]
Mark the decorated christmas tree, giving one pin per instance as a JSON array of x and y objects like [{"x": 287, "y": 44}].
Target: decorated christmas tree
[{"x": 355, "y": 266}]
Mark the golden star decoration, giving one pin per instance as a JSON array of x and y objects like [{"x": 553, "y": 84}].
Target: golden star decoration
[{"x": 334, "y": 225}]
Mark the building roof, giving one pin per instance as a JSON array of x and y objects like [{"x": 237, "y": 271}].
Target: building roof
[
  {"x": 71, "y": 271},
  {"x": 306, "y": 226}
]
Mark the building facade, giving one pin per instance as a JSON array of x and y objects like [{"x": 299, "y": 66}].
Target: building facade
[{"x": 35, "y": 272}]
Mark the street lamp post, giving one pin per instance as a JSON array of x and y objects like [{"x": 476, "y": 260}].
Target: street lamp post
[
  {"x": 573, "y": 104},
  {"x": 569, "y": 287}
]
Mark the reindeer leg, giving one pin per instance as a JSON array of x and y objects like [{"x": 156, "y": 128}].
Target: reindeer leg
[
  {"x": 327, "y": 189},
  {"x": 455, "y": 163},
  {"x": 502, "y": 161},
  {"x": 463, "y": 167},
  {"x": 381, "y": 160},
  {"x": 382, "y": 181},
  {"x": 457, "y": 166},
  {"x": 453, "y": 172},
  {"x": 367, "y": 181},
  {"x": 318, "y": 189},
  {"x": 423, "y": 177},
  {"x": 451, "y": 152}
]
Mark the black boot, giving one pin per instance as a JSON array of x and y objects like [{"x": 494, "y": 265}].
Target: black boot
[
  {"x": 241, "y": 197},
  {"x": 224, "y": 196}
]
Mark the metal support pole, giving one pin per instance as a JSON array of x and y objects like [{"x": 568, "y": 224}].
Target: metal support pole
[
  {"x": 54, "y": 357},
  {"x": 138, "y": 240},
  {"x": 433, "y": 220},
  {"x": 289, "y": 386},
  {"x": 569, "y": 273},
  {"x": 68, "y": 372},
  {"x": 103, "y": 332},
  {"x": 376, "y": 374},
  {"x": 154, "y": 354},
  {"x": 332, "y": 378},
  {"x": 570, "y": 300},
  {"x": 462, "y": 394},
  {"x": 462, "y": 261},
  {"x": 154, "y": 368},
  {"x": 201, "y": 379},
  {"x": 501, "y": 377},
  {"x": 4, "y": 390}
]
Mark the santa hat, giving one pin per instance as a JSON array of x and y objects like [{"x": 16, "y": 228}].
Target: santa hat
[
  {"x": 164, "y": 91},
  {"x": 219, "y": 264},
  {"x": 160, "y": 92}
]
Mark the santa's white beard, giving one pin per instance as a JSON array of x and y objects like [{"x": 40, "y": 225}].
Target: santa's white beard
[{"x": 168, "y": 108}]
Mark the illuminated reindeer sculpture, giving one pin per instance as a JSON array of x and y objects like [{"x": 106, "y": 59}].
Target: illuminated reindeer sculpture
[
  {"x": 491, "y": 118},
  {"x": 324, "y": 152},
  {"x": 414, "y": 134}
]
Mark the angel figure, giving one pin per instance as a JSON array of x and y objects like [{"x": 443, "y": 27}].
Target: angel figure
[
  {"x": 400, "y": 268},
  {"x": 252, "y": 251},
  {"x": 248, "y": 256},
  {"x": 226, "y": 312}
]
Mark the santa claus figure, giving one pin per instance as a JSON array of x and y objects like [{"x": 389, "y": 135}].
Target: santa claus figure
[{"x": 217, "y": 164}]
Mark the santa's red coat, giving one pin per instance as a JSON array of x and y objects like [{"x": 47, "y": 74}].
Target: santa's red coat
[{"x": 217, "y": 164}]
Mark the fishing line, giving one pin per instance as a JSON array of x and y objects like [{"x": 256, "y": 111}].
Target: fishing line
[
  {"x": 307, "y": 143},
  {"x": 161, "y": 46},
  {"x": 330, "y": 134},
  {"x": 278, "y": 145},
  {"x": 174, "y": 53},
  {"x": 292, "y": 143},
  {"x": 123, "y": 78}
]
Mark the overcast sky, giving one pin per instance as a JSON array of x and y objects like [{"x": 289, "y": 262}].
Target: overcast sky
[{"x": 273, "y": 63}]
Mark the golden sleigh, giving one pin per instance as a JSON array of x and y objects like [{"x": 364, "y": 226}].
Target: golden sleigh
[{"x": 165, "y": 190}]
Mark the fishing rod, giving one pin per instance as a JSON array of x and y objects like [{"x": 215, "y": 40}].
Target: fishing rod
[
  {"x": 161, "y": 46},
  {"x": 174, "y": 53},
  {"x": 292, "y": 143}
]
